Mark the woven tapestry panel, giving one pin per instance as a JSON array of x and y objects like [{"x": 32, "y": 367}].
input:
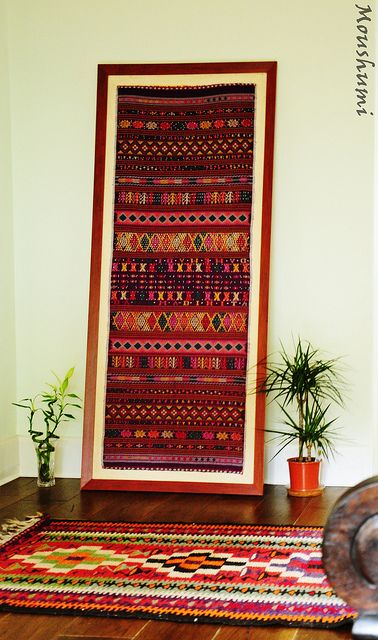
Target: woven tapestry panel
[{"x": 181, "y": 279}]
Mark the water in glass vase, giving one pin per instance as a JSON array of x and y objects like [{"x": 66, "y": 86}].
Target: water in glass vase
[{"x": 45, "y": 462}]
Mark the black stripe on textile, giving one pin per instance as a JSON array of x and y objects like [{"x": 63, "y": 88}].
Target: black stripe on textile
[{"x": 179, "y": 92}]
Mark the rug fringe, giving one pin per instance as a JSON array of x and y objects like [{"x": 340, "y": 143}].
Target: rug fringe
[{"x": 13, "y": 526}]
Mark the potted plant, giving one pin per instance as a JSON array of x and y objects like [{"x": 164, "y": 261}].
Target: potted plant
[
  {"x": 304, "y": 385},
  {"x": 54, "y": 406}
]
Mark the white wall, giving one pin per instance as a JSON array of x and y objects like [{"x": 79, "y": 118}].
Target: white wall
[
  {"x": 322, "y": 243},
  {"x": 8, "y": 439}
]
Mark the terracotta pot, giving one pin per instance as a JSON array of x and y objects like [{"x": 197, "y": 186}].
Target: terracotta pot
[{"x": 304, "y": 477}]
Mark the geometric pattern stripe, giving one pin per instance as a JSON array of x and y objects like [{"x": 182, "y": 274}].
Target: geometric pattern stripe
[
  {"x": 184, "y": 346},
  {"x": 172, "y": 362},
  {"x": 180, "y": 278},
  {"x": 182, "y": 322},
  {"x": 177, "y": 412},
  {"x": 224, "y": 574},
  {"x": 157, "y": 218},
  {"x": 151, "y": 242}
]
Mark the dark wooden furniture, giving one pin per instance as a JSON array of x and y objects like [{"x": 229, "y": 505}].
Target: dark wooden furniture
[{"x": 350, "y": 554}]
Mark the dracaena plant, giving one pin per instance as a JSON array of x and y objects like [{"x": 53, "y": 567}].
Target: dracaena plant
[
  {"x": 304, "y": 385},
  {"x": 55, "y": 405}
]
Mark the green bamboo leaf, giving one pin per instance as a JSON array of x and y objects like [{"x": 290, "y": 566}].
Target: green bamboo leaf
[{"x": 51, "y": 403}]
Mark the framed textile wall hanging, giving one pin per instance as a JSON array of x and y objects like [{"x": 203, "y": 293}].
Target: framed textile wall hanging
[{"x": 179, "y": 277}]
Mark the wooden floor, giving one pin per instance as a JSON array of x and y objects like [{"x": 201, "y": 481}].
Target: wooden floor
[{"x": 21, "y": 498}]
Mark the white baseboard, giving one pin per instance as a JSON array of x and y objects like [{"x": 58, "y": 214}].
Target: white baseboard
[
  {"x": 67, "y": 457},
  {"x": 351, "y": 465},
  {"x": 9, "y": 460}
]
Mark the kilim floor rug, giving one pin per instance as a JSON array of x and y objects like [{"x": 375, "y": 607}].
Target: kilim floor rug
[{"x": 224, "y": 574}]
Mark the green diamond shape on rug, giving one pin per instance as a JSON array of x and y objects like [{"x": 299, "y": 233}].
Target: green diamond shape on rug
[{"x": 64, "y": 560}]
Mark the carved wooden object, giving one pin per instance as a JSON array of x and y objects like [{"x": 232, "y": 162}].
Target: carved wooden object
[{"x": 350, "y": 554}]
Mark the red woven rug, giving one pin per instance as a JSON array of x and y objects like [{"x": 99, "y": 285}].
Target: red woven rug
[{"x": 224, "y": 574}]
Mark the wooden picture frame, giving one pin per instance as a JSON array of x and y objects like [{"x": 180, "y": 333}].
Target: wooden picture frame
[{"x": 262, "y": 75}]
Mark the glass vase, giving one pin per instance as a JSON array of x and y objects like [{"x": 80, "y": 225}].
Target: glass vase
[{"x": 45, "y": 463}]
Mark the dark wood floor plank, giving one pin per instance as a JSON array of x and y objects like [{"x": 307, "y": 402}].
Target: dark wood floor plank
[
  {"x": 134, "y": 506},
  {"x": 64, "y": 489},
  {"x": 256, "y": 633},
  {"x": 343, "y": 633},
  {"x": 111, "y": 627},
  {"x": 279, "y": 508},
  {"x": 216, "y": 509},
  {"x": 158, "y": 630},
  {"x": 23, "y": 626},
  {"x": 34, "y": 499},
  {"x": 282, "y": 633},
  {"x": 28, "y": 507},
  {"x": 105, "y": 505},
  {"x": 90, "y": 638},
  {"x": 318, "y": 509},
  {"x": 313, "y": 515},
  {"x": 13, "y": 491},
  {"x": 203, "y": 508}
]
